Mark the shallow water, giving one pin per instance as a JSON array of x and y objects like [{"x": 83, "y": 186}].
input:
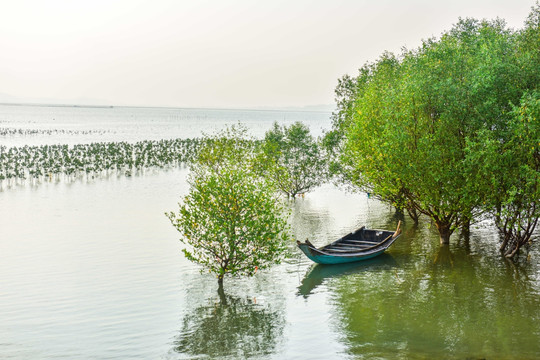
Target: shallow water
[{"x": 93, "y": 269}]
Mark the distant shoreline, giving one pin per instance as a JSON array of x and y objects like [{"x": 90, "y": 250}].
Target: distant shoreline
[
  {"x": 58, "y": 105},
  {"x": 285, "y": 109}
]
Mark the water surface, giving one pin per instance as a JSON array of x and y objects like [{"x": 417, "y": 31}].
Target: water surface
[
  {"x": 93, "y": 269},
  {"x": 72, "y": 125}
]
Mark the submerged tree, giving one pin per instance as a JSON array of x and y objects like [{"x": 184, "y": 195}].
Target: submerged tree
[
  {"x": 510, "y": 163},
  {"x": 292, "y": 159},
  {"x": 230, "y": 218},
  {"x": 412, "y": 118},
  {"x": 519, "y": 210}
]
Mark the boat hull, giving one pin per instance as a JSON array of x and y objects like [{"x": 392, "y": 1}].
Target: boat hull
[{"x": 332, "y": 260}]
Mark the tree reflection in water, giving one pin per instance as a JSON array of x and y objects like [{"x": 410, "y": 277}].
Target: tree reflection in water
[
  {"x": 451, "y": 302},
  {"x": 231, "y": 327}
]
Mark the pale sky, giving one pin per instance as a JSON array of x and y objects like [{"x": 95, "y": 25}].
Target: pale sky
[{"x": 228, "y": 53}]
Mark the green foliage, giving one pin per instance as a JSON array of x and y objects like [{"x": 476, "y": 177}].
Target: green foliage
[
  {"x": 292, "y": 159},
  {"x": 332, "y": 142},
  {"x": 529, "y": 48},
  {"x": 406, "y": 131},
  {"x": 510, "y": 163},
  {"x": 230, "y": 218}
]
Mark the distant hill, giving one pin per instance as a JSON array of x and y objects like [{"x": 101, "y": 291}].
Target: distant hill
[{"x": 321, "y": 108}]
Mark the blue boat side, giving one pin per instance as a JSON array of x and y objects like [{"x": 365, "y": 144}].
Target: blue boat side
[{"x": 322, "y": 258}]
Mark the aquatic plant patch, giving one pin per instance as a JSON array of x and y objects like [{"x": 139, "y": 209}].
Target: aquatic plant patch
[
  {"x": 5, "y": 131},
  {"x": 48, "y": 161}
]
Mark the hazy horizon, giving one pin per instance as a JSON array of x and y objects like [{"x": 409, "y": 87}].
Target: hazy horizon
[
  {"x": 88, "y": 103},
  {"x": 231, "y": 54}
]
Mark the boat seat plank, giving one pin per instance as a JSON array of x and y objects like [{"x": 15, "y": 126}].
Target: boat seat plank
[
  {"x": 347, "y": 244},
  {"x": 344, "y": 251},
  {"x": 353, "y": 247},
  {"x": 342, "y": 248},
  {"x": 360, "y": 242}
]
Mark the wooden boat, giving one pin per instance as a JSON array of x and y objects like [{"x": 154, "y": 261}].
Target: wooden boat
[{"x": 362, "y": 244}]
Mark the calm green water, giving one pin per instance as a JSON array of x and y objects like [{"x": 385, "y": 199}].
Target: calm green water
[
  {"x": 421, "y": 300},
  {"x": 92, "y": 269},
  {"x": 445, "y": 302}
]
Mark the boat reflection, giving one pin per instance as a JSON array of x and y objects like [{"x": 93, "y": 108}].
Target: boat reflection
[{"x": 319, "y": 273}]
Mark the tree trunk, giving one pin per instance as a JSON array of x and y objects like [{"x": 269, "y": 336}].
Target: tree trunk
[
  {"x": 504, "y": 243},
  {"x": 510, "y": 253},
  {"x": 221, "y": 293},
  {"x": 413, "y": 213},
  {"x": 466, "y": 229},
  {"x": 444, "y": 231}
]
